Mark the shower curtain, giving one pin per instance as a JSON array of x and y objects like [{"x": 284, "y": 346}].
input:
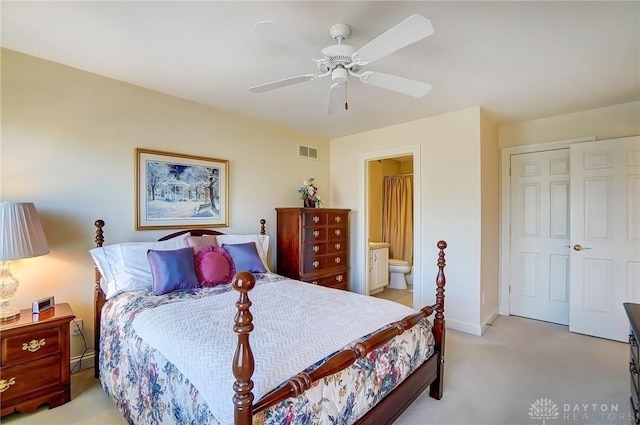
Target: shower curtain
[{"x": 397, "y": 216}]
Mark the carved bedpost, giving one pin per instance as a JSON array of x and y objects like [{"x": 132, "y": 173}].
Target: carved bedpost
[
  {"x": 98, "y": 302},
  {"x": 262, "y": 229},
  {"x": 439, "y": 330},
  {"x": 243, "y": 362}
]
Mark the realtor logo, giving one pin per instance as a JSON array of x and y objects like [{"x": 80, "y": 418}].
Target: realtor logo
[{"x": 543, "y": 408}]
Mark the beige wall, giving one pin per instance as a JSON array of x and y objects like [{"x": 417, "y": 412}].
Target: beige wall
[
  {"x": 490, "y": 225},
  {"x": 449, "y": 196},
  {"x": 68, "y": 140},
  {"x": 604, "y": 123}
]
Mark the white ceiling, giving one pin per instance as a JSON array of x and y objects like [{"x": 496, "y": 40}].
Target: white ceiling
[{"x": 520, "y": 60}]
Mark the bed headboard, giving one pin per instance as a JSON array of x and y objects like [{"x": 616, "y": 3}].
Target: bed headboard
[{"x": 99, "y": 297}]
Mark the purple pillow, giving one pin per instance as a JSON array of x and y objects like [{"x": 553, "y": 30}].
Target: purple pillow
[
  {"x": 245, "y": 257},
  {"x": 172, "y": 270},
  {"x": 214, "y": 266}
]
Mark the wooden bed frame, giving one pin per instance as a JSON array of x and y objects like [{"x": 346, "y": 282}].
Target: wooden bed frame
[{"x": 429, "y": 374}]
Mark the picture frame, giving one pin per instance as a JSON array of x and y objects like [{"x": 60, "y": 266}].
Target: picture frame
[{"x": 175, "y": 190}]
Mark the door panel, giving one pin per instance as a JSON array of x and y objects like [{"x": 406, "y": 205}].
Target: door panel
[
  {"x": 540, "y": 225},
  {"x": 605, "y": 217}
]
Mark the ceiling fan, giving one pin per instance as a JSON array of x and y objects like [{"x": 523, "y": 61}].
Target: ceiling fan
[{"x": 341, "y": 61}]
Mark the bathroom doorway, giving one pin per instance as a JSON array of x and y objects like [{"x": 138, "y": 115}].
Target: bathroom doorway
[{"x": 391, "y": 230}]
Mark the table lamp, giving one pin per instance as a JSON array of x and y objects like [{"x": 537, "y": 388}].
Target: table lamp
[{"x": 21, "y": 236}]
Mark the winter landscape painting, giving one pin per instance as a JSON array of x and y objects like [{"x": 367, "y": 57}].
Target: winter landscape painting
[{"x": 178, "y": 191}]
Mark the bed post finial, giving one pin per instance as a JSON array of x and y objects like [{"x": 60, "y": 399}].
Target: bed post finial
[
  {"x": 437, "y": 387},
  {"x": 262, "y": 229},
  {"x": 98, "y": 301},
  {"x": 243, "y": 362},
  {"x": 99, "y": 234}
]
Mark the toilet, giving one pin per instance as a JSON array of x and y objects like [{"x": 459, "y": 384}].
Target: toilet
[{"x": 397, "y": 271}]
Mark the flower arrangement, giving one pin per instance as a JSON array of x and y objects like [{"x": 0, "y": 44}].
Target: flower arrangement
[{"x": 309, "y": 193}]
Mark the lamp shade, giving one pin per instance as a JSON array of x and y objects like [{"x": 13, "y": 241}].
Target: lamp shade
[{"x": 21, "y": 234}]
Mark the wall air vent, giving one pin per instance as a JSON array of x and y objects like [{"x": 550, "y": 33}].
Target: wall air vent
[{"x": 308, "y": 152}]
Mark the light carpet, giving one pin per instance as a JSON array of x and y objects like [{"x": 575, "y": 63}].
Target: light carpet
[{"x": 519, "y": 366}]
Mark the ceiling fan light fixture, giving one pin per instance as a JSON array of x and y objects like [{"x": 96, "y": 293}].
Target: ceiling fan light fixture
[{"x": 339, "y": 75}]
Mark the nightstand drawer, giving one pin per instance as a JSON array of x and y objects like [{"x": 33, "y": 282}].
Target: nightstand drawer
[
  {"x": 30, "y": 346},
  {"x": 27, "y": 378}
]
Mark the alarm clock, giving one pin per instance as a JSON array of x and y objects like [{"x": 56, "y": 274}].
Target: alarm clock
[{"x": 42, "y": 305}]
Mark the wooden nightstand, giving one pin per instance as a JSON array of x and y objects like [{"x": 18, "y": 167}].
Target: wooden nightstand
[{"x": 34, "y": 360}]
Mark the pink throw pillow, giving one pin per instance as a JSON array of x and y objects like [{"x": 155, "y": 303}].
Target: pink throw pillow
[
  {"x": 199, "y": 242},
  {"x": 214, "y": 266}
]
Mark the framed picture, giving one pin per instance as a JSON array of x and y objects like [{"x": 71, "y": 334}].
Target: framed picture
[{"x": 180, "y": 191}]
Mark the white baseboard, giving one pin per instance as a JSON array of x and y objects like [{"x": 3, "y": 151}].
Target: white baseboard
[
  {"x": 466, "y": 327},
  {"x": 493, "y": 316},
  {"x": 87, "y": 361}
]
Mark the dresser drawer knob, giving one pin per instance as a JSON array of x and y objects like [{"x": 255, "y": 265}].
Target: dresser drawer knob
[
  {"x": 5, "y": 384},
  {"x": 316, "y": 219},
  {"x": 632, "y": 340},
  {"x": 337, "y": 246},
  {"x": 633, "y": 369},
  {"x": 316, "y": 233},
  {"x": 316, "y": 248},
  {"x": 337, "y": 260},
  {"x": 316, "y": 263},
  {"x": 338, "y": 219},
  {"x": 339, "y": 278},
  {"x": 338, "y": 232},
  {"x": 33, "y": 345}
]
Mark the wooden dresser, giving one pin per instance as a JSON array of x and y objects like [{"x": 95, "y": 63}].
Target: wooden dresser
[
  {"x": 313, "y": 245},
  {"x": 34, "y": 360},
  {"x": 633, "y": 313}
]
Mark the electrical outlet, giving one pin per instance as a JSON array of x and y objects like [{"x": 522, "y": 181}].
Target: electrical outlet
[{"x": 76, "y": 327}]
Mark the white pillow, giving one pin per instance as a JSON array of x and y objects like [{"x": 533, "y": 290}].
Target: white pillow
[
  {"x": 261, "y": 241},
  {"x": 125, "y": 266}
]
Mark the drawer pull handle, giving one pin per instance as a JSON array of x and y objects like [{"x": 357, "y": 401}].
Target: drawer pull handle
[
  {"x": 316, "y": 248},
  {"x": 339, "y": 278},
  {"x": 33, "y": 345},
  {"x": 5, "y": 384},
  {"x": 316, "y": 263},
  {"x": 632, "y": 340},
  {"x": 338, "y": 219},
  {"x": 316, "y": 219},
  {"x": 315, "y": 282},
  {"x": 337, "y": 260},
  {"x": 337, "y": 246},
  {"x": 338, "y": 232},
  {"x": 316, "y": 233},
  {"x": 633, "y": 369}
]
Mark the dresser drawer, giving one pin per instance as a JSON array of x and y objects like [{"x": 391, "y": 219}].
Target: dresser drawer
[
  {"x": 336, "y": 233},
  {"x": 312, "y": 234},
  {"x": 314, "y": 264},
  {"x": 316, "y": 218},
  {"x": 337, "y": 281},
  {"x": 341, "y": 218},
  {"x": 313, "y": 249},
  {"x": 23, "y": 379},
  {"x": 30, "y": 346},
  {"x": 336, "y": 260},
  {"x": 337, "y": 246}
]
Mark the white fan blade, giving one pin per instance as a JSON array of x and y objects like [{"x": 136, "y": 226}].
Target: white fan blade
[
  {"x": 281, "y": 83},
  {"x": 414, "y": 28},
  {"x": 283, "y": 36},
  {"x": 338, "y": 99},
  {"x": 395, "y": 83}
]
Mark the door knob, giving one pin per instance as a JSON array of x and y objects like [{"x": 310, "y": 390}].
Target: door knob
[{"x": 578, "y": 247}]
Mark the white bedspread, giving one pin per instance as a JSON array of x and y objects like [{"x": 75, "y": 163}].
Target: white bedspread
[{"x": 296, "y": 324}]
